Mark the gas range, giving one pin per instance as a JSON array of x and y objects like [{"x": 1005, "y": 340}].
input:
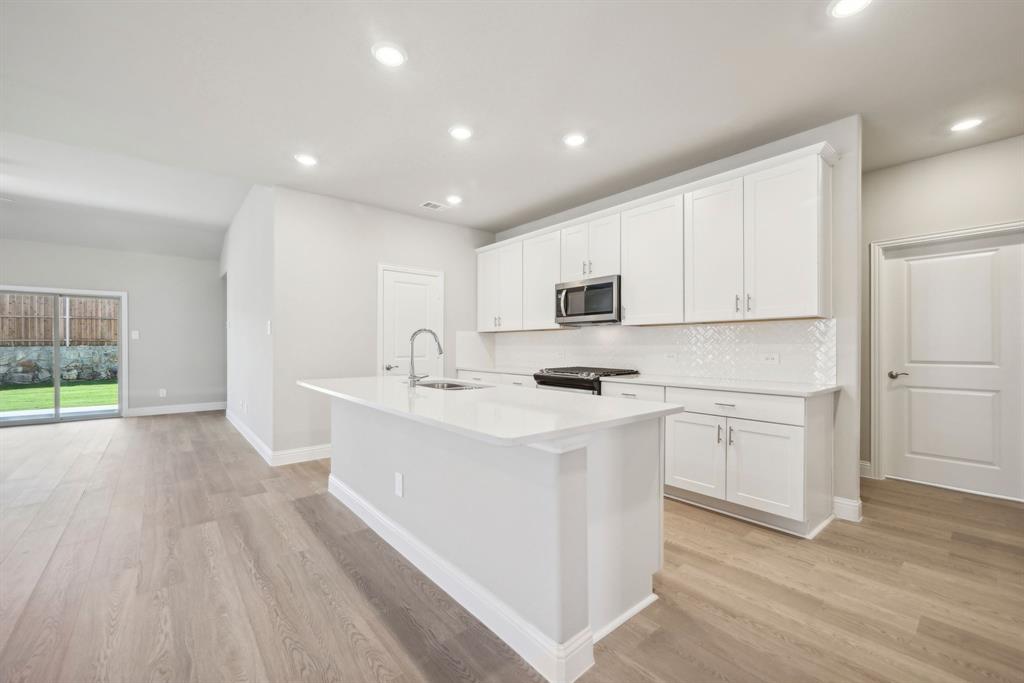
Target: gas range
[{"x": 577, "y": 378}]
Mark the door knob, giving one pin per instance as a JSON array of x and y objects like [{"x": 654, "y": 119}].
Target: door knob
[
  {"x": 389, "y": 366},
  {"x": 894, "y": 375}
]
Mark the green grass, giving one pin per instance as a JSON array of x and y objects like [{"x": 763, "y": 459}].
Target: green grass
[{"x": 72, "y": 395}]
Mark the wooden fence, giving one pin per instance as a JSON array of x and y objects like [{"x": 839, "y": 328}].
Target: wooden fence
[{"x": 27, "y": 320}]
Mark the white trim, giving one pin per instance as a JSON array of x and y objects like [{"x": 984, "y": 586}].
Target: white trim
[
  {"x": 878, "y": 251},
  {"x": 557, "y": 662},
  {"x": 822, "y": 149},
  {"x": 624, "y": 617},
  {"x": 821, "y": 527},
  {"x": 176, "y": 408},
  {"x": 256, "y": 442},
  {"x": 291, "y": 456},
  {"x": 848, "y": 509},
  {"x": 956, "y": 488},
  {"x": 867, "y": 471},
  {"x": 381, "y": 268}
]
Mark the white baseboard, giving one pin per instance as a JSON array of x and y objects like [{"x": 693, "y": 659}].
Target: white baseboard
[
  {"x": 866, "y": 470},
  {"x": 847, "y": 508},
  {"x": 821, "y": 527},
  {"x": 624, "y": 617},
  {"x": 174, "y": 409},
  {"x": 274, "y": 458},
  {"x": 557, "y": 662}
]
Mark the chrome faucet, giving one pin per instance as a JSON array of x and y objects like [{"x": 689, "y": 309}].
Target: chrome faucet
[{"x": 413, "y": 377}]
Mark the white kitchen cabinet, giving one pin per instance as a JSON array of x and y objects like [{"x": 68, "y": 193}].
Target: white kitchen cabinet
[
  {"x": 591, "y": 249},
  {"x": 695, "y": 453},
  {"x": 787, "y": 254},
  {"x": 652, "y": 263},
  {"x": 765, "y": 467},
  {"x": 713, "y": 229},
  {"x": 541, "y": 272},
  {"x": 499, "y": 302},
  {"x": 525, "y": 381},
  {"x": 477, "y": 376}
]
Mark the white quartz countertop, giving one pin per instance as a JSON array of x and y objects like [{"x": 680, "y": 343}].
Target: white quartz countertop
[
  {"x": 500, "y": 371},
  {"x": 748, "y": 386},
  {"x": 503, "y": 415}
]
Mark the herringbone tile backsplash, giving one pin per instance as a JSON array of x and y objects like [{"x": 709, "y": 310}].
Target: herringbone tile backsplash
[{"x": 806, "y": 349}]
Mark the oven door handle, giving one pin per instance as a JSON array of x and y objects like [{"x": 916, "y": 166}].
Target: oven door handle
[{"x": 561, "y": 302}]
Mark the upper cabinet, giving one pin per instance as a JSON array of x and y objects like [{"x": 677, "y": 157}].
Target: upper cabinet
[
  {"x": 591, "y": 249},
  {"x": 758, "y": 247},
  {"x": 499, "y": 295},
  {"x": 652, "y": 263},
  {"x": 541, "y": 272}
]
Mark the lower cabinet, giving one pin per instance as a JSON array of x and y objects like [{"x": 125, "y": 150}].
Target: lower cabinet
[
  {"x": 695, "y": 452},
  {"x": 764, "y": 468},
  {"x": 526, "y": 381}
]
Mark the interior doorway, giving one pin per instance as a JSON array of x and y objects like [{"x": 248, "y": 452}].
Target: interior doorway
[
  {"x": 61, "y": 355},
  {"x": 408, "y": 299},
  {"x": 947, "y": 372}
]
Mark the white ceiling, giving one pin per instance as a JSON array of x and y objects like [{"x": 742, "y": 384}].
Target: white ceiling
[{"x": 236, "y": 89}]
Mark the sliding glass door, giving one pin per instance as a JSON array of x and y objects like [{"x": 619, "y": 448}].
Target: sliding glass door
[{"x": 60, "y": 357}]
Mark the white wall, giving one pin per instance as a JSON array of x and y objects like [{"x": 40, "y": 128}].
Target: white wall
[
  {"x": 969, "y": 188},
  {"x": 325, "y": 295},
  {"x": 845, "y": 137},
  {"x": 177, "y": 304},
  {"x": 247, "y": 259}
]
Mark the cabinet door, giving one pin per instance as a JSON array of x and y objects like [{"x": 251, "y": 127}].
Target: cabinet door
[
  {"x": 487, "y": 291},
  {"x": 541, "y": 272},
  {"x": 652, "y": 263},
  {"x": 510, "y": 287},
  {"x": 765, "y": 467},
  {"x": 784, "y": 241},
  {"x": 574, "y": 252},
  {"x": 695, "y": 453},
  {"x": 713, "y": 227},
  {"x": 603, "y": 247}
]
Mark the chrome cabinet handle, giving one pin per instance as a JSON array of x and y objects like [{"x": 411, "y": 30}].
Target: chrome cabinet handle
[
  {"x": 737, "y": 303},
  {"x": 719, "y": 433},
  {"x": 590, "y": 267},
  {"x": 584, "y": 267},
  {"x": 725, "y": 405},
  {"x": 894, "y": 375},
  {"x": 626, "y": 393},
  {"x": 518, "y": 384},
  {"x": 731, "y": 442},
  {"x": 748, "y": 302},
  {"x": 499, "y": 321}
]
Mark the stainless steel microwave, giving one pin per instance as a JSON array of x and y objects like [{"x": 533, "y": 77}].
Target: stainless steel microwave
[{"x": 589, "y": 302}]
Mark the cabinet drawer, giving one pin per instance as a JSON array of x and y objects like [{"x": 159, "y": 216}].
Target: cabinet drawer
[
  {"x": 782, "y": 409},
  {"x": 643, "y": 392},
  {"x": 485, "y": 377},
  {"x": 519, "y": 381}
]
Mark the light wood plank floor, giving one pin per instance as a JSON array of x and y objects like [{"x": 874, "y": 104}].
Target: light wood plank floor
[{"x": 164, "y": 549}]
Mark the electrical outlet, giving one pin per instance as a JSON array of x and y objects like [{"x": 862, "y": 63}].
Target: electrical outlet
[
  {"x": 268, "y": 328},
  {"x": 770, "y": 358},
  {"x": 245, "y": 407},
  {"x": 399, "y": 485},
  {"x": 163, "y": 393},
  {"x": 671, "y": 355}
]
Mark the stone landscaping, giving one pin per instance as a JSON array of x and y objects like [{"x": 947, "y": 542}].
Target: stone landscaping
[{"x": 28, "y": 365}]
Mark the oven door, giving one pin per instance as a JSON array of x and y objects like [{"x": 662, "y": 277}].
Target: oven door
[{"x": 592, "y": 301}]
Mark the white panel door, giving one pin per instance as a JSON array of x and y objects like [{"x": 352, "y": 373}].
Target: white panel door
[
  {"x": 510, "y": 287},
  {"x": 713, "y": 227},
  {"x": 487, "y": 267},
  {"x": 950, "y": 319},
  {"x": 652, "y": 263},
  {"x": 765, "y": 467},
  {"x": 410, "y": 299},
  {"x": 695, "y": 453},
  {"x": 574, "y": 252},
  {"x": 781, "y": 240},
  {"x": 604, "y": 247},
  {"x": 541, "y": 272}
]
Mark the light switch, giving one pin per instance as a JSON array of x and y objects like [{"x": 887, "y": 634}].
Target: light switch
[
  {"x": 135, "y": 335},
  {"x": 399, "y": 484}
]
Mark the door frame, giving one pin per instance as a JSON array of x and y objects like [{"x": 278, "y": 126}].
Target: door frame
[
  {"x": 878, "y": 252},
  {"x": 386, "y": 267},
  {"x": 122, "y": 351}
]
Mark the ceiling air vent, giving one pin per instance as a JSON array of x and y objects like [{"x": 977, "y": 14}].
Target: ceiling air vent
[{"x": 433, "y": 206}]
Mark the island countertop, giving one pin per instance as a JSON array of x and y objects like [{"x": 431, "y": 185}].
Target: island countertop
[{"x": 502, "y": 415}]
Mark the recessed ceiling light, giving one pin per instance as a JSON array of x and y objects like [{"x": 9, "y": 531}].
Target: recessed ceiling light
[
  {"x": 389, "y": 54},
  {"x": 840, "y": 9},
  {"x": 966, "y": 124},
  {"x": 306, "y": 159},
  {"x": 460, "y": 132},
  {"x": 574, "y": 139},
  {"x": 453, "y": 199}
]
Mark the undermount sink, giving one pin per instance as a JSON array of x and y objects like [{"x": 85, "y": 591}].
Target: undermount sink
[{"x": 448, "y": 386}]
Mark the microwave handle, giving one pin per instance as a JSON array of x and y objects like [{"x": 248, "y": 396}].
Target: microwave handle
[{"x": 561, "y": 301}]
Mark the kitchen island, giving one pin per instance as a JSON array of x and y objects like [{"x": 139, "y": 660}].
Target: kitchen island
[{"x": 538, "y": 511}]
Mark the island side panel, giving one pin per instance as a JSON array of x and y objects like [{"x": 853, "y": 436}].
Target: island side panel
[
  {"x": 624, "y": 497},
  {"x": 497, "y": 514}
]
